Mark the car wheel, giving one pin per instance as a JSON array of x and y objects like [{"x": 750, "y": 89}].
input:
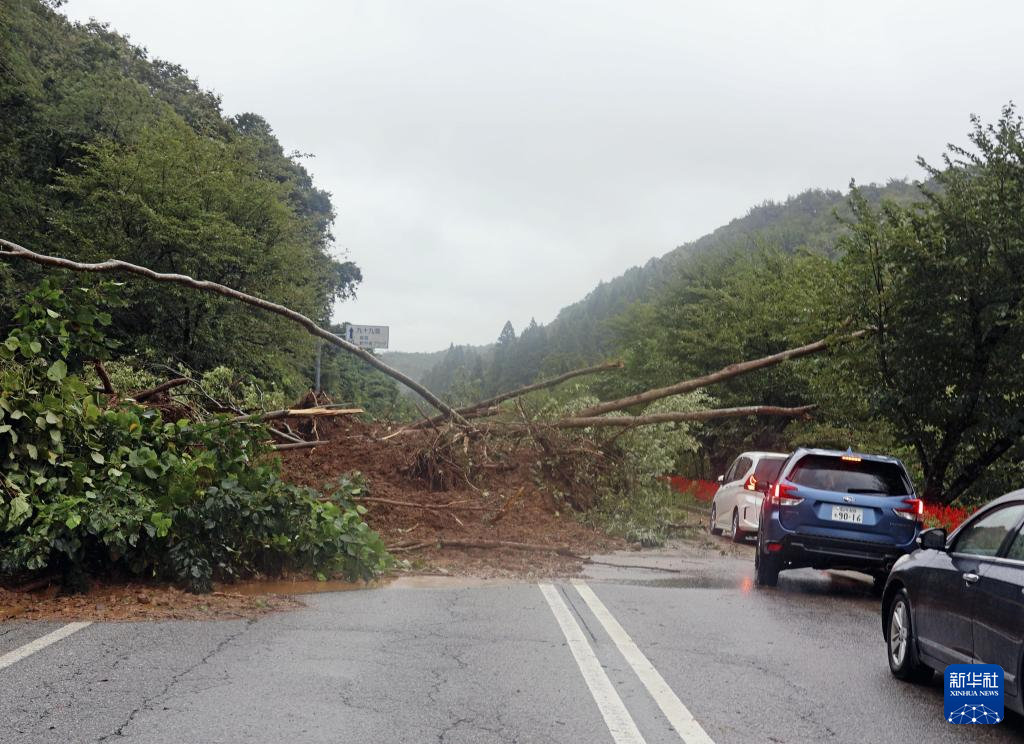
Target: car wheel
[
  {"x": 738, "y": 535},
  {"x": 714, "y": 518},
  {"x": 901, "y": 644},
  {"x": 766, "y": 568}
]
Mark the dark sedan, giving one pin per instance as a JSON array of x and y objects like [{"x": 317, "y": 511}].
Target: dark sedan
[{"x": 960, "y": 599}]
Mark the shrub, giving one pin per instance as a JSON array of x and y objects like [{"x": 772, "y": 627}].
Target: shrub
[{"x": 91, "y": 489}]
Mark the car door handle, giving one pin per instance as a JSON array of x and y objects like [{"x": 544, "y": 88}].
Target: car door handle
[{"x": 971, "y": 578}]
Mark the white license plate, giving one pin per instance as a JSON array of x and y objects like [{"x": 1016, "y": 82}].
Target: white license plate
[{"x": 847, "y": 514}]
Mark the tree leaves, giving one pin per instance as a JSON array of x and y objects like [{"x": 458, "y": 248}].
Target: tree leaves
[{"x": 57, "y": 371}]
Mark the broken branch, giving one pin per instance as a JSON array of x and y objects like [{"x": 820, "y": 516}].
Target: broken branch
[
  {"x": 300, "y": 413},
  {"x": 162, "y": 388},
  {"x": 296, "y": 445},
  {"x": 101, "y": 372},
  {"x": 413, "y": 504}
]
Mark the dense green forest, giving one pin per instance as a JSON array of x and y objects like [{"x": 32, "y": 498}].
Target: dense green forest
[{"x": 106, "y": 152}]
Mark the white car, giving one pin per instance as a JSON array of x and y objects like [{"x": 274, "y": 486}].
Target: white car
[{"x": 737, "y": 502}]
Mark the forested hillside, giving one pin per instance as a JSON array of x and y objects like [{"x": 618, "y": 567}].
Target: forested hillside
[
  {"x": 595, "y": 327},
  {"x": 106, "y": 152}
]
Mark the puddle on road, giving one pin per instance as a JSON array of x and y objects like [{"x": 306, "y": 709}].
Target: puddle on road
[
  {"x": 312, "y": 586},
  {"x": 744, "y": 584},
  {"x": 806, "y": 582}
]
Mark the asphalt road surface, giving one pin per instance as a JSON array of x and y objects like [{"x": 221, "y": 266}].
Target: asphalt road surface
[{"x": 695, "y": 654}]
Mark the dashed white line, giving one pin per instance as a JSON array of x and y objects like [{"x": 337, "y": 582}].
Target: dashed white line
[
  {"x": 678, "y": 715},
  {"x": 620, "y": 723},
  {"x": 12, "y": 657}
]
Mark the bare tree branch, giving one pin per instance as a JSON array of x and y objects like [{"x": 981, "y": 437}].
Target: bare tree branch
[
  {"x": 580, "y": 422},
  {"x": 484, "y": 408},
  {"x": 161, "y": 388},
  {"x": 13, "y": 250}
]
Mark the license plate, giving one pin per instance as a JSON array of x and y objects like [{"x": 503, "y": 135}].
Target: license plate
[{"x": 847, "y": 514}]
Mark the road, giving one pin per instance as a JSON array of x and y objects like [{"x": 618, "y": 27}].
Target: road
[{"x": 434, "y": 660}]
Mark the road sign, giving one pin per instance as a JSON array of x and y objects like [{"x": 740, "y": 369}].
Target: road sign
[{"x": 368, "y": 337}]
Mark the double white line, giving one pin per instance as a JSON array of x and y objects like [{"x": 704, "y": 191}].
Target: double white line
[{"x": 620, "y": 723}]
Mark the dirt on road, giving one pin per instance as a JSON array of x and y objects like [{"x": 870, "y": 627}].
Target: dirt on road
[{"x": 507, "y": 499}]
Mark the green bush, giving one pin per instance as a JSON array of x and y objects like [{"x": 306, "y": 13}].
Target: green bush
[{"x": 86, "y": 489}]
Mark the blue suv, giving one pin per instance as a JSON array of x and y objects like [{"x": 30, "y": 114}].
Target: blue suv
[{"x": 831, "y": 509}]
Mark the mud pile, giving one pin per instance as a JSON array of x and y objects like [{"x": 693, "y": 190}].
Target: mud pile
[{"x": 503, "y": 497}]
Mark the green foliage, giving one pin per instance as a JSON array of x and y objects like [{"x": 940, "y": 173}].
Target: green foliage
[
  {"x": 90, "y": 489},
  {"x": 240, "y": 392}
]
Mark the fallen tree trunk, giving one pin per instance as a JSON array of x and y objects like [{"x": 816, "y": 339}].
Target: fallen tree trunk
[
  {"x": 13, "y": 250},
  {"x": 475, "y": 410},
  {"x": 733, "y": 370},
  {"x": 300, "y": 413},
  {"x": 414, "y": 505},
  {"x": 581, "y": 422}
]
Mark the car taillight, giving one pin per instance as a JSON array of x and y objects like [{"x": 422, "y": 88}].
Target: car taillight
[
  {"x": 913, "y": 509},
  {"x": 751, "y": 484},
  {"x": 782, "y": 495}
]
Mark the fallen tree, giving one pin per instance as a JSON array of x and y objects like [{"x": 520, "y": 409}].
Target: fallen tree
[
  {"x": 726, "y": 373},
  {"x": 582, "y": 422},
  {"x": 11, "y": 250}
]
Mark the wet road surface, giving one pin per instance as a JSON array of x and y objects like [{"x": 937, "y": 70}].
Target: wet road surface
[{"x": 435, "y": 660}]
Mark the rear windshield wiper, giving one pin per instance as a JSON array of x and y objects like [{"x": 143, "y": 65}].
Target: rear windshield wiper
[{"x": 866, "y": 490}]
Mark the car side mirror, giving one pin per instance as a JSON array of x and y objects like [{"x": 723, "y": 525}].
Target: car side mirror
[
  {"x": 721, "y": 479},
  {"x": 933, "y": 539},
  {"x": 766, "y": 487}
]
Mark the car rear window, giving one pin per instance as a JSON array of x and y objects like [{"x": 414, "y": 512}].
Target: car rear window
[
  {"x": 767, "y": 470},
  {"x": 828, "y": 473}
]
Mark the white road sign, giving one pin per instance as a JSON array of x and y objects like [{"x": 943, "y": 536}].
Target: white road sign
[{"x": 368, "y": 337}]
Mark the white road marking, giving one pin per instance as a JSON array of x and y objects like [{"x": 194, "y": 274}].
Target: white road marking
[
  {"x": 12, "y": 657},
  {"x": 621, "y": 725},
  {"x": 678, "y": 715}
]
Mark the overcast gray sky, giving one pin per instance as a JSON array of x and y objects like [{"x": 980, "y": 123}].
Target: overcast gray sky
[{"x": 495, "y": 160}]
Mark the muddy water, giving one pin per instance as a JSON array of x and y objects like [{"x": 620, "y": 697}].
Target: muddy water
[{"x": 311, "y": 586}]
